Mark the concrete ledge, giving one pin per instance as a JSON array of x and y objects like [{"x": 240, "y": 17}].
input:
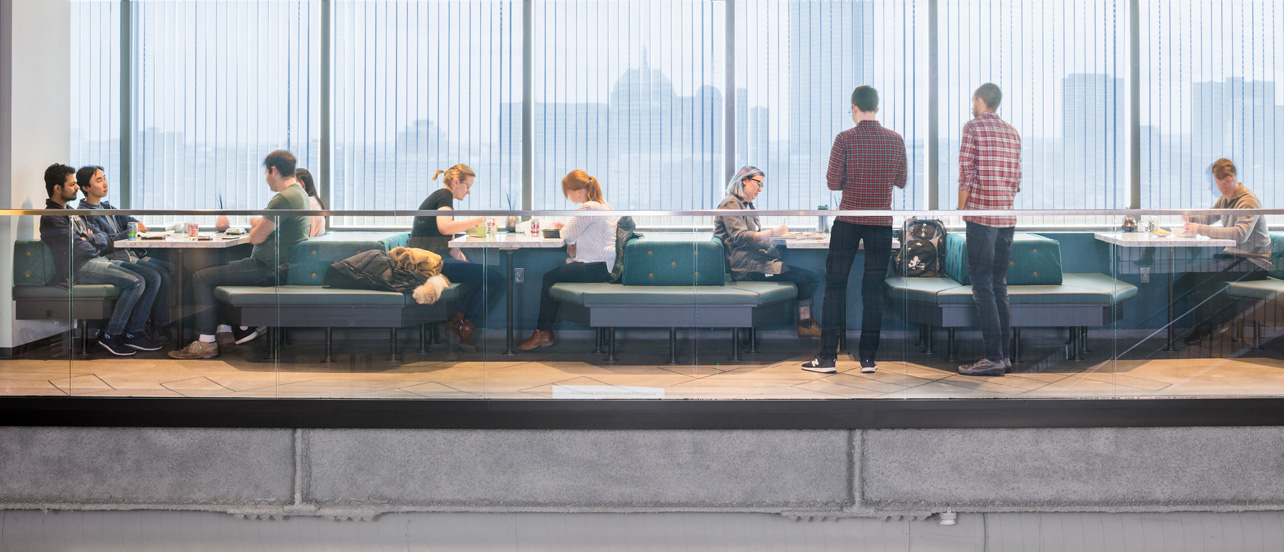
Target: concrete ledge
[
  {"x": 580, "y": 470},
  {"x": 1105, "y": 469},
  {"x": 50, "y": 465}
]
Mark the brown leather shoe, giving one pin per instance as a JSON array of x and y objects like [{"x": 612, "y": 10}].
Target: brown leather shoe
[
  {"x": 808, "y": 328},
  {"x": 465, "y": 331},
  {"x": 536, "y": 340},
  {"x": 197, "y": 349}
]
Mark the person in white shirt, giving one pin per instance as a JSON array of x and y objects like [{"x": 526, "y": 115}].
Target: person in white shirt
[{"x": 590, "y": 243}]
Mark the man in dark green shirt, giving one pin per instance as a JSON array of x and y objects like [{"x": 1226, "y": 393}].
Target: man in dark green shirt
[{"x": 273, "y": 238}]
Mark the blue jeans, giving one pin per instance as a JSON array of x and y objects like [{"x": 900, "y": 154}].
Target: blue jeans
[
  {"x": 477, "y": 278},
  {"x": 844, "y": 243},
  {"x": 989, "y": 249},
  {"x": 805, "y": 280},
  {"x": 245, "y": 272},
  {"x": 135, "y": 302},
  {"x": 157, "y": 273}
]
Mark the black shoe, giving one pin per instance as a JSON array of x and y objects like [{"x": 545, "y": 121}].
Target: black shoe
[
  {"x": 1007, "y": 364},
  {"x": 867, "y": 366},
  {"x": 139, "y": 341},
  {"x": 247, "y": 335},
  {"x": 1193, "y": 338},
  {"x": 114, "y": 344},
  {"x": 983, "y": 367},
  {"x": 821, "y": 366}
]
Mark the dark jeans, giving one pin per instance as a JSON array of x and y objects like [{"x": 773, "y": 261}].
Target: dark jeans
[
  {"x": 989, "y": 249},
  {"x": 245, "y": 272},
  {"x": 1202, "y": 290},
  {"x": 844, "y": 242},
  {"x": 137, "y": 292},
  {"x": 477, "y": 278},
  {"x": 164, "y": 273},
  {"x": 573, "y": 272},
  {"x": 806, "y": 281}
]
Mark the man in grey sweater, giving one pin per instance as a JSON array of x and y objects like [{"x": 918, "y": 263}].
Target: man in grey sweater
[{"x": 1251, "y": 251}]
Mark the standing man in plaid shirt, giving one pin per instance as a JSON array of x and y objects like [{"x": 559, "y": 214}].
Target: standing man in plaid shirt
[
  {"x": 865, "y": 163},
  {"x": 989, "y": 178}
]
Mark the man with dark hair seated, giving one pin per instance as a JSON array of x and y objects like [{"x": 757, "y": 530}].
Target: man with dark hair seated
[
  {"x": 266, "y": 265},
  {"x": 77, "y": 253}
]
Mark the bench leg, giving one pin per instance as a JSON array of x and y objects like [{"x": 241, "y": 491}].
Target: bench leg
[
  {"x": 392, "y": 339},
  {"x": 423, "y": 338},
  {"x": 329, "y": 345},
  {"x": 435, "y": 329},
  {"x": 929, "y": 337},
  {"x": 673, "y": 345},
  {"x": 949, "y": 346},
  {"x": 84, "y": 337},
  {"x": 285, "y": 336},
  {"x": 753, "y": 341},
  {"x": 597, "y": 341},
  {"x": 1237, "y": 330},
  {"x": 1257, "y": 335},
  {"x": 610, "y": 347},
  {"x": 1016, "y": 345},
  {"x": 1083, "y": 334},
  {"x": 735, "y": 343},
  {"x": 272, "y": 334}
]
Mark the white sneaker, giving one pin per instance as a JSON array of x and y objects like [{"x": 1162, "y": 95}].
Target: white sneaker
[{"x": 868, "y": 366}]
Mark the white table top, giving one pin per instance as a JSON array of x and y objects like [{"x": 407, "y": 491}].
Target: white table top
[
  {"x": 219, "y": 241},
  {"x": 507, "y": 241},
  {"x": 1148, "y": 239}
]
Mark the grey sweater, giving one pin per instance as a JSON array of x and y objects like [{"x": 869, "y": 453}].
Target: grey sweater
[{"x": 1252, "y": 240}]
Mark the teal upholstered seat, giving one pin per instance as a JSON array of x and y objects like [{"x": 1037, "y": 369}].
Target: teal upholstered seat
[
  {"x": 81, "y": 291},
  {"x": 735, "y": 293},
  {"x": 1035, "y": 260},
  {"x": 32, "y": 263},
  {"x": 1075, "y": 289},
  {"x": 1277, "y": 255},
  {"x": 1270, "y": 289},
  {"x": 657, "y": 262},
  {"x": 292, "y": 295},
  {"x": 310, "y": 258}
]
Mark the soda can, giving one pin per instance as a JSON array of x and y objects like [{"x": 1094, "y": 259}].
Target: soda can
[
  {"x": 534, "y": 228},
  {"x": 133, "y": 231},
  {"x": 193, "y": 230}
]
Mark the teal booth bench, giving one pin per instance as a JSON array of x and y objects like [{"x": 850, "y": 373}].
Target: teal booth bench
[
  {"x": 675, "y": 284},
  {"x": 35, "y": 299},
  {"x": 304, "y": 302},
  {"x": 1040, "y": 293},
  {"x": 1262, "y": 300}
]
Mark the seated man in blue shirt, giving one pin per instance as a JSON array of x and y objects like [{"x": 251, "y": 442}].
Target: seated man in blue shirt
[
  {"x": 77, "y": 250},
  {"x": 93, "y": 184}
]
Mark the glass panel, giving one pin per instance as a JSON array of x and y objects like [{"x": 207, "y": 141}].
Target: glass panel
[
  {"x": 1208, "y": 72},
  {"x": 419, "y": 87},
  {"x": 1060, "y": 69},
  {"x": 643, "y": 110},
  {"x": 214, "y": 95}
]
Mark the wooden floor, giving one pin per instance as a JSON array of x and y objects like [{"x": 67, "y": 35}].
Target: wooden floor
[{"x": 1117, "y": 366}]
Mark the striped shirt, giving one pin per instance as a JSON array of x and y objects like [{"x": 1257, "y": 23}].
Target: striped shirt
[
  {"x": 866, "y": 162},
  {"x": 990, "y": 167},
  {"x": 593, "y": 237}
]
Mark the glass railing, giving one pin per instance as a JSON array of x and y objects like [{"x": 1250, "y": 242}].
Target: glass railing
[{"x": 701, "y": 306}]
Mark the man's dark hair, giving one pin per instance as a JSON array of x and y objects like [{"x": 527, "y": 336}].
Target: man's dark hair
[
  {"x": 84, "y": 175},
  {"x": 865, "y": 98},
  {"x": 1223, "y": 168},
  {"x": 990, "y": 94},
  {"x": 56, "y": 175},
  {"x": 283, "y": 161}
]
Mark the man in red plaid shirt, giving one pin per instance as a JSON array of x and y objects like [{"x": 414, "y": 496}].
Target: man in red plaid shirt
[
  {"x": 989, "y": 178},
  {"x": 865, "y": 163}
]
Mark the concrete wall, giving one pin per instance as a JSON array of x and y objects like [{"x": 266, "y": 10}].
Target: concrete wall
[
  {"x": 361, "y": 474},
  {"x": 35, "y": 130}
]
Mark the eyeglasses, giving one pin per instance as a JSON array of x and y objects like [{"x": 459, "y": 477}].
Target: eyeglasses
[{"x": 757, "y": 181}]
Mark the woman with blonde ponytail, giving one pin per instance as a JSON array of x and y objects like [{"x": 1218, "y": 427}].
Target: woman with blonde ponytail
[
  {"x": 590, "y": 243},
  {"x": 433, "y": 233}
]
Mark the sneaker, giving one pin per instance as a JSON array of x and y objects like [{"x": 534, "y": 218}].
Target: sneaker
[
  {"x": 867, "y": 366},
  {"x": 247, "y": 335},
  {"x": 139, "y": 341},
  {"x": 114, "y": 344},
  {"x": 197, "y": 349},
  {"x": 226, "y": 341},
  {"x": 821, "y": 366},
  {"x": 1007, "y": 364},
  {"x": 983, "y": 367}
]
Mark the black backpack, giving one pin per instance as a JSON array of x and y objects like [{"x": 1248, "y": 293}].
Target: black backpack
[
  {"x": 625, "y": 231},
  {"x": 922, "y": 253}
]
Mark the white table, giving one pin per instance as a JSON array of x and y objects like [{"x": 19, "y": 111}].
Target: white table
[
  {"x": 1169, "y": 244},
  {"x": 508, "y": 243},
  {"x": 181, "y": 245}
]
